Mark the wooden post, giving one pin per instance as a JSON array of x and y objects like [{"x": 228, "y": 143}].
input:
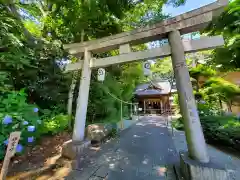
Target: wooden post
[{"x": 11, "y": 149}]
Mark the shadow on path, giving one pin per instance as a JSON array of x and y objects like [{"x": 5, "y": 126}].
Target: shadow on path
[{"x": 144, "y": 151}]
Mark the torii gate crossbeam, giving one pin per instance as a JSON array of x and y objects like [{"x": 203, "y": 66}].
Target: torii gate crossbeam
[
  {"x": 172, "y": 29},
  {"x": 189, "y": 22},
  {"x": 189, "y": 47}
]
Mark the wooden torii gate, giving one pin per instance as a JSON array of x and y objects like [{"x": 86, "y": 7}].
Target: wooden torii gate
[{"x": 172, "y": 29}]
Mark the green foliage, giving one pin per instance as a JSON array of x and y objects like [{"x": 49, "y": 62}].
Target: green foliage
[
  {"x": 31, "y": 56},
  {"x": 17, "y": 115},
  {"x": 228, "y": 25},
  {"x": 163, "y": 70},
  {"x": 178, "y": 123},
  {"x": 224, "y": 130},
  {"x": 55, "y": 124},
  {"x": 208, "y": 108},
  {"x": 201, "y": 70},
  {"x": 113, "y": 133},
  {"x": 119, "y": 83},
  {"x": 30, "y": 66},
  {"x": 224, "y": 89},
  {"x": 176, "y": 103},
  {"x": 175, "y": 99},
  {"x": 33, "y": 28}
]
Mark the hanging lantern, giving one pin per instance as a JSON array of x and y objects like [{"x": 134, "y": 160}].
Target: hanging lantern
[
  {"x": 147, "y": 68},
  {"x": 101, "y": 74}
]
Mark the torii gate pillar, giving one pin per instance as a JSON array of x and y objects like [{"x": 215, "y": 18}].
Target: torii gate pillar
[
  {"x": 82, "y": 101},
  {"x": 195, "y": 139},
  {"x": 72, "y": 148}
]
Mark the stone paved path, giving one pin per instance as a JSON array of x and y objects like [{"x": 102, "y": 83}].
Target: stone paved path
[{"x": 145, "y": 151}]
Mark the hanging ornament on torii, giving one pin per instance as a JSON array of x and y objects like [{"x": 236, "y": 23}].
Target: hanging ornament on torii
[
  {"x": 101, "y": 74},
  {"x": 147, "y": 68}
]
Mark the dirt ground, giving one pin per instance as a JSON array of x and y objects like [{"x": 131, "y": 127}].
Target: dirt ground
[{"x": 42, "y": 161}]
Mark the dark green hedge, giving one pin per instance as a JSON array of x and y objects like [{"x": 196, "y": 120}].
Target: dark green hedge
[{"x": 224, "y": 130}]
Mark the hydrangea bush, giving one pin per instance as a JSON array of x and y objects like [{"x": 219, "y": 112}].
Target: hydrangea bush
[{"x": 17, "y": 115}]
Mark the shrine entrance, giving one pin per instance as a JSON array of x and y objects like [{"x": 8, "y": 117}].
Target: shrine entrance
[
  {"x": 172, "y": 29},
  {"x": 154, "y": 98}
]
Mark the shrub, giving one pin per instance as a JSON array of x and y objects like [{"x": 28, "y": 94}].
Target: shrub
[
  {"x": 207, "y": 109},
  {"x": 178, "y": 124},
  {"x": 176, "y": 103},
  {"x": 221, "y": 129},
  {"x": 17, "y": 115},
  {"x": 55, "y": 124},
  {"x": 113, "y": 133},
  {"x": 224, "y": 130}
]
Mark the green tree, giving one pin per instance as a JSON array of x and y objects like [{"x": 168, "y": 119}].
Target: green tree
[
  {"x": 228, "y": 25},
  {"x": 32, "y": 34},
  {"x": 224, "y": 90},
  {"x": 201, "y": 71},
  {"x": 30, "y": 62}
]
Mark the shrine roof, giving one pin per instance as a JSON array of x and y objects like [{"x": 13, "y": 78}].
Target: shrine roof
[{"x": 153, "y": 88}]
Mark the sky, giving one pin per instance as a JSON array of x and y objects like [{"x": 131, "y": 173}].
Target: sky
[{"x": 189, "y": 5}]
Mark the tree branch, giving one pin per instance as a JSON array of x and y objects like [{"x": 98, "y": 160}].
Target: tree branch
[
  {"x": 13, "y": 10},
  {"x": 41, "y": 7}
]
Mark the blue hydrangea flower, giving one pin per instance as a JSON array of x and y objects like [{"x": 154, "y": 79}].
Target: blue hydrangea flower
[
  {"x": 25, "y": 123},
  {"x": 6, "y": 142},
  {"x": 39, "y": 121},
  {"x": 19, "y": 148},
  {"x": 30, "y": 139},
  {"x": 31, "y": 128},
  {"x": 35, "y": 110},
  {"x": 7, "y": 119}
]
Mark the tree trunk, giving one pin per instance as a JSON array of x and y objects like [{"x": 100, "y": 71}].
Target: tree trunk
[
  {"x": 70, "y": 98},
  {"x": 220, "y": 103},
  {"x": 229, "y": 103},
  {"x": 197, "y": 87}
]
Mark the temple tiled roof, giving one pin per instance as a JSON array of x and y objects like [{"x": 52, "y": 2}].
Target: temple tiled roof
[{"x": 153, "y": 88}]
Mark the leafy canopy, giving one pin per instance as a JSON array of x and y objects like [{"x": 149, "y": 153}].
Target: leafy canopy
[{"x": 228, "y": 25}]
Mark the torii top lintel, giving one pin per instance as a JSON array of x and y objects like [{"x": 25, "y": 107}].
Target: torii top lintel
[{"x": 188, "y": 22}]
